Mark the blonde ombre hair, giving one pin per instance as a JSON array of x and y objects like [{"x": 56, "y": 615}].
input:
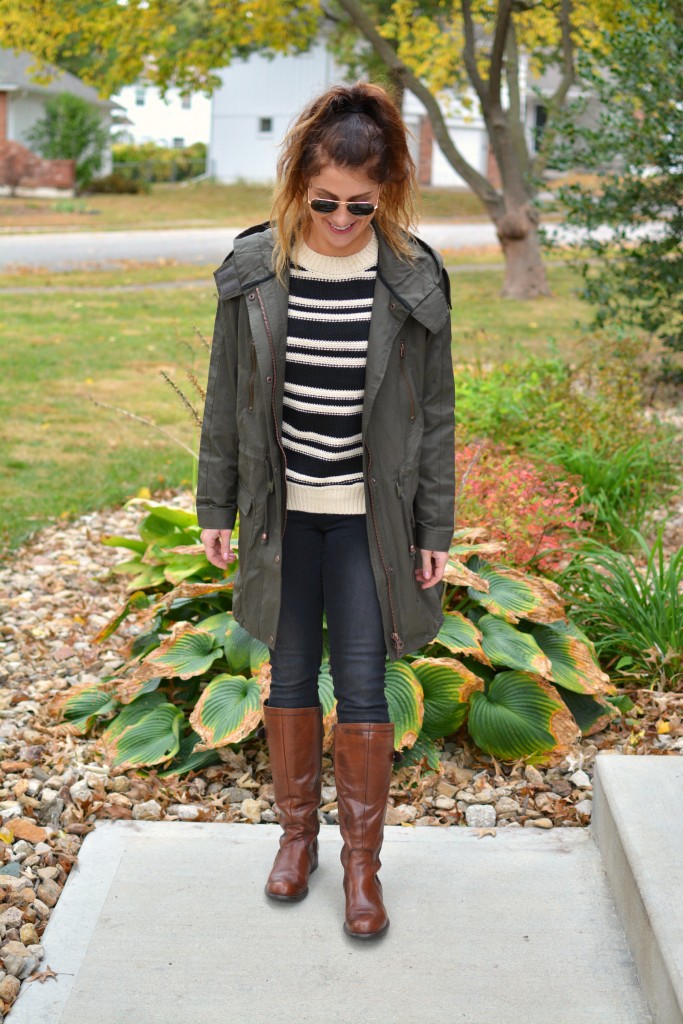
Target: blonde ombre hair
[{"x": 350, "y": 126}]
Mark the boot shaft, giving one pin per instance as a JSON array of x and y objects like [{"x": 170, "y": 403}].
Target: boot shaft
[{"x": 363, "y": 764}]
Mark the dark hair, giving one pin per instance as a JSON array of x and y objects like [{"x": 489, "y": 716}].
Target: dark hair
[{"x": 351, "y": 126}]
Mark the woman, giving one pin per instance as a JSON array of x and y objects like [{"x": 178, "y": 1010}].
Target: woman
[{"x": 329, "y": 424}]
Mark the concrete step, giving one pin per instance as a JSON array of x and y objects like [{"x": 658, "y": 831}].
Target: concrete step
[
  {"x": 637, "y": 823},
  {"x": 166, "y": 923}
]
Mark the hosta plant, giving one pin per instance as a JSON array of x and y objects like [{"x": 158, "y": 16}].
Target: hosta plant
[{"x": 507, "y": 664}]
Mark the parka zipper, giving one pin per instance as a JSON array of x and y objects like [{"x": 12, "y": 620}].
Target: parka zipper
[
  {"x": 395, "y": 638},
  {"x": 405, "y": 377},
  {"x": 272, "y": 404}
]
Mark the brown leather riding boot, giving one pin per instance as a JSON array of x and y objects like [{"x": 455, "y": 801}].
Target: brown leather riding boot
[
  {"x": 294, "y": 737},
  {"x": 363, "y": 761}
]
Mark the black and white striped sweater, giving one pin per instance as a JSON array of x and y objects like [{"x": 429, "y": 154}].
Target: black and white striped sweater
[{"x": 330, "y": 304}]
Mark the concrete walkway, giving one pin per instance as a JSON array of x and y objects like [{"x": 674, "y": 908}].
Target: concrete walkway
[{"x": 167, "y": 923}]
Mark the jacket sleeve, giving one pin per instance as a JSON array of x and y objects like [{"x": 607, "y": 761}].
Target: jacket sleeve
[
  {"x": 216, "y": 499},
  {"x": 435, "y": 497}
]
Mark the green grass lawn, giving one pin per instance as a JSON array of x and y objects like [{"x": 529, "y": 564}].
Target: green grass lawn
[
  {"x": 203, "y": 204},
  {"x": 63, "y": 455}
]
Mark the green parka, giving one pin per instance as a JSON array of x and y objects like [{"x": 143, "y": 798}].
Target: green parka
[{"x": 407, "y": 425}]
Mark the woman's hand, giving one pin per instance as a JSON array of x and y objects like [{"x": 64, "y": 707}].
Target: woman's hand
[
  {"x": 217, "y": 547},
  {"x": 433, "y": 565}
]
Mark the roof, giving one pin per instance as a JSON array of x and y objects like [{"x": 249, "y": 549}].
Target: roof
[{"x": 14, "y": 74}]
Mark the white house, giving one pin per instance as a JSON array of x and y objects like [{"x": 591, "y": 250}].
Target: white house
[
  {"x": 22, "y": 103},
  {"x": 253, "y": 107},
  {"x": 176, "y": 121},
  {"x": 259, "y": 97}
]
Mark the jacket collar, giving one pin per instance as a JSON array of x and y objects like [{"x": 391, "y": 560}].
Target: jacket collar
[{"x": 415, "y": 288}]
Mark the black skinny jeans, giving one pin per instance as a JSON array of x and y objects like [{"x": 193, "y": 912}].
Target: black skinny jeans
[{"x": 326, "y": 567}]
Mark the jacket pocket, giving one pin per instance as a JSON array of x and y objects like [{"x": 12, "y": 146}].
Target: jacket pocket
[
  {"x": 405, "y": 495},
  {"x": 245, "y": 504}
]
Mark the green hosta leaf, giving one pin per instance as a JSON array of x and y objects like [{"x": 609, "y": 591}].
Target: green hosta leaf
[
  {"x": 621, "y": 701},
  {"x": 130, "y": 689},
  {"x": 217, "y": 625},
  {"x": 152, "y": 739},
  {"x": 188, "y": 759},
  {"x": 124, "y": 542},
  {"x": 176, "y": 516},
  {"x": 181, "y": 567},
  {"x": 423, "y": 749},
  {"x": 447, "y": 686},
  {"x": 228, "y": 710},
  {"x": 589, "y": 713},
  {"x": 406, "y": 702},
  {"x": 461, "y": 636},
  {"x": 513, "y": 595},
  {"x": 258, "y": 656},
  {"x": 138, "y": 599},
  {"x": 82, "y": 705},
  {"x": 505, "y": 645},
  {"x": 519, "y": 715},
  {"x": 237, "y": 647},
  {"x": 326, "y": 689},
  {"x": 573, "y": 665},
  {"x": 187, "y": 652},
  {"x": 130, "y": 714},
  {"x": 465, "y": 543},
  {"x": 149, "y": 576}
]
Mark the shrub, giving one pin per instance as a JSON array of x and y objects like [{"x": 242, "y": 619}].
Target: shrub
[
  {"x": 533, "y": 507},
  {"x": 117, "y": 183},
  {"x": 72, "y": 129},
  {"x": 587, "y": 417}
]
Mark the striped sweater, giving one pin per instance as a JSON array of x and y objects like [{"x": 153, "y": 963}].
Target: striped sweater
[{"x": 330, "y": 304}]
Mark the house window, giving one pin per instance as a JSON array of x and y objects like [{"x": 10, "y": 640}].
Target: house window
[
  {"x": 265, "y": 125},
  {"x": 140, "y": 96},
  {"x": 185, "y": 102},
  {"x": 178, "y": 142}
]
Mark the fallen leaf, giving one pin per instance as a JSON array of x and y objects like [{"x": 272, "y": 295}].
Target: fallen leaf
[
  {"x": 486, "y": 832},
  {"x": 42, "y": 976}
]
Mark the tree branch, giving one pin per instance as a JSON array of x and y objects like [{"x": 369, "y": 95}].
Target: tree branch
[
  {"x": 470, "y": 56},
  {"x": 498, "y": 50},
  {"x": 516, "y": 121},
  {"x": 477, "y": 182},
  {"x": 557, "y": 100}
]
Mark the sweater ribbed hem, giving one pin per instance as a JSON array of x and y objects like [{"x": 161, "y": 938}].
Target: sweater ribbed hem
[{"x": 335, "y": 499}]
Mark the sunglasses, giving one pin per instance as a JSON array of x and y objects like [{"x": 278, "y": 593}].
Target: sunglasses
[{"x": 330, "y": 205}]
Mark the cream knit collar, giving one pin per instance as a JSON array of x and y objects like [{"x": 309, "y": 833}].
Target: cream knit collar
[{"x": 338, "y": 266}]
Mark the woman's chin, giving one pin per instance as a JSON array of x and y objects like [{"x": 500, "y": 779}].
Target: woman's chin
[{"x": 331, "y": 242}]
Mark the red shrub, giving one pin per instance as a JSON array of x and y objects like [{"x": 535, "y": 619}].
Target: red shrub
[{"x": 532, "y": 506}]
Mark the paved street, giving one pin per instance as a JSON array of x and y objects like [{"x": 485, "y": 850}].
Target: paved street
[{"x": 65, "y": 250}]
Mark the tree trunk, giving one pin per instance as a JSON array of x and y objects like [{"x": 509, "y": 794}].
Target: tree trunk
[{"x": 525, "y": 276}]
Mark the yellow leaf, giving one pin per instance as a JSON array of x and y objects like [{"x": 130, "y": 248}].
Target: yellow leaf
[
  {"x": 663, "y": 727},
  {"x": 144, "y": 492}
]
